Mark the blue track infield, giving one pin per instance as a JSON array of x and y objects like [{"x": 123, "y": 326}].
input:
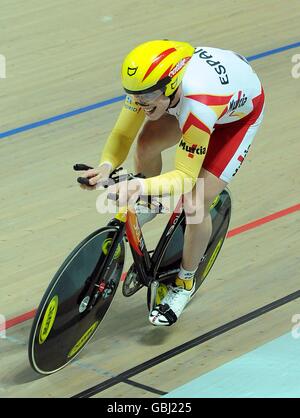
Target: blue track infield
[{"x": 270, "y": 371}]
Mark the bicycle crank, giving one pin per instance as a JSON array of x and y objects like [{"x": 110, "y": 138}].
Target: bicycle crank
[{"x": 131, "y": 283}]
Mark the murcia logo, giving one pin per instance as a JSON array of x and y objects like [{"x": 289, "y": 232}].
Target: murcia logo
[
  {"x": 193, "y": 149},
  {"x": 131, "y": 71},
  {"x": 239, "y": 102}
]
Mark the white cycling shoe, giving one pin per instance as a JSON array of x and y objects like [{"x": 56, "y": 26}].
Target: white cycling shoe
[{"x": 171, "y": 306}]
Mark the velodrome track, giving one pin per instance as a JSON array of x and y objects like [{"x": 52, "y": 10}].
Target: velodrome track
[{"x": 58, "y": 110}]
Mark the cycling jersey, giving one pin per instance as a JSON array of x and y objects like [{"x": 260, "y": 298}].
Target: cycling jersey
[{"x": 219, "y": 111}]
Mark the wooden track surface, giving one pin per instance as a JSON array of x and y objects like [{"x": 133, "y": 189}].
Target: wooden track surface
[{"x": 66, "y": 55}]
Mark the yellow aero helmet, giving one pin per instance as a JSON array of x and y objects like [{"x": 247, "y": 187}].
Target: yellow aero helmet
[{"x": 156, "y": 65}]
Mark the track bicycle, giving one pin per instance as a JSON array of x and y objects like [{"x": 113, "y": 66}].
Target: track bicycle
[{"x": 82, "y": 290}]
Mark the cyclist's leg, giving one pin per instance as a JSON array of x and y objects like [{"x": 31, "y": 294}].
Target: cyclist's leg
[
  {"x": 227, "y": 149},
  {"x": 198, "y": 221},
  {"x": 229, "y": 146},
  {"x": 154, "y": 137}
]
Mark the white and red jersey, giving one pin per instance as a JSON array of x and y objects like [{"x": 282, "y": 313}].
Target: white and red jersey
[{"x": 219, "y": 86}]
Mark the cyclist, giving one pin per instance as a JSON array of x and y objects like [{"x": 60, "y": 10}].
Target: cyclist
[{"x": 210, "y": 103}]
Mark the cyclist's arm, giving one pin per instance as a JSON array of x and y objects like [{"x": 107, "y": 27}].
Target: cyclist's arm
[
  {"x": 187, "y": 164},
  {"x": 123, "y": 134}
]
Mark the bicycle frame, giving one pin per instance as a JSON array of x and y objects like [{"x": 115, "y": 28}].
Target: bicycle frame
[
  {"x": 145, "y": 265},
  {"x": 77, "y": 299},
  {"x": 126, "y": 221},
  {"x": 81, "y": 291}
]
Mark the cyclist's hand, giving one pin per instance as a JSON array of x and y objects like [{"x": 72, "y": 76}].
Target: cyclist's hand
[
  {"x": 96, "y": 176},
  {"x": 126, "y": 192}
]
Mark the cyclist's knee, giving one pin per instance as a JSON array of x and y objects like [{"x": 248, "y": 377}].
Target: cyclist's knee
[
  {"x": 197, "y": 206},
  {"x": 193, "y": 208},
  {"x": 209, "y": 187}
]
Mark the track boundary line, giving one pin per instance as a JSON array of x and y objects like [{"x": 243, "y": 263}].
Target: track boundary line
[{"x": 122, "y": 377}]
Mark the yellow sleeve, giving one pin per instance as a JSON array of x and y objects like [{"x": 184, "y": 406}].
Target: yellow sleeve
[
  {"x": 189, "y": 158},
  {"x": 123, "y": 134}
]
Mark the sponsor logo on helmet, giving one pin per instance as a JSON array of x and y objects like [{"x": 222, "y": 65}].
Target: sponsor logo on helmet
[
  {"x": 131, "y": 71},
  {"x": 193, "y": 149},
  {"x": 178, "y": 67}
]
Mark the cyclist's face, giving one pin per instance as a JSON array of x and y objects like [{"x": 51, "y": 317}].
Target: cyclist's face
[{"x": 154, "y": 104}]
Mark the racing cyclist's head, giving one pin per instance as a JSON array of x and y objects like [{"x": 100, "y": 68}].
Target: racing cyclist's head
[{"x": 152, "y": 73}]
